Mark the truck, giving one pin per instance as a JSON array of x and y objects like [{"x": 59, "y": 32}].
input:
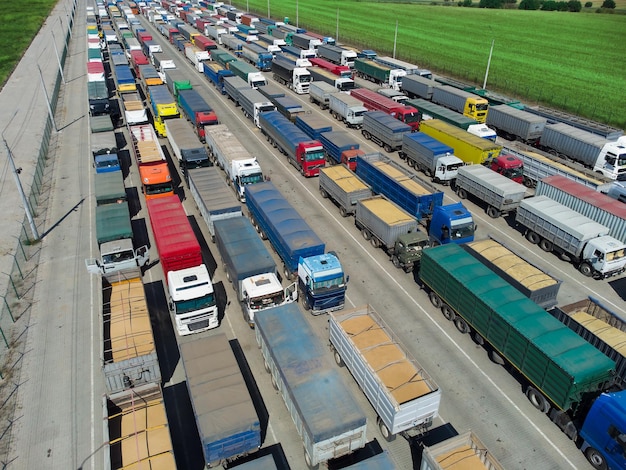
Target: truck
[
  {"x": 288, "y": 107},
  {"x": 109, "y": 188},
  {"x": 340, "y": 70},
  {"x": 429, "y": 110},
  {"x": 212, "y": 196},
  {"x": 572, "y": 236},
  {"x": 304, "y": 41},
  {"x": 430, "y": 156},
  {"x": 343, "y": 187},
  {"x": 190, "y": 294},
  {"x": 163, "y": 107},
  {"x": 331, "y": 424},
  {"x": 197, "y": 56},
  {"x": 410, "y": 69},
  {"x": 403, "y": 394},
  {"x": 233, "y": 43},
  {"x": 156, "y": 181},
  {"x": 562, "y": 374},
  {"x": 387, "y": 226},
  {"x": 376, "y": 102},
  {"x": 305, "y": 154},
  {"x": 297, "y": 53},
  {"x": 253, "y": 103},
  {"x": 516, "y": 124},
  {"x": 162, "y": 62},
  {"x": 384, "y": 130},
  {"x": 471, "y": 149},
  {"x": 293, "y": 77},
  {"x": 470, "y": 104},
  {"x": 177, "y": 80},
  {"x": 185, "y": 145},
  {"x": 248, "y": 73},
  {"x": 319, "y": 74},
  {"x": 377, "y": 73},
  {"x": 216, "y": 32},
  {"x": 535, "y": 283},
  {"x": 588, "y": 202},
  {"x": 134, "y": 110},
  {"x": 216, "y": 73},
  {"x": 258, "y": 56},
  {"x": 313, "y": 125},
  {"x": 347, "y": 109},
  {"x": 223, "y": 58},
  {"x": 197, "y": 111},
  {"x": 499, "y": 194},
  {"x": 452, "y": 223},
  {"x": 392, "y": 94},
  {"x": 250, "y": 268},
  {"x": 321, "y": 280},
  {"x": 337, "y": 54},
  {"x": 416, "y": 86},
  {"x": 233, "y": 85},
  {"x": 606, "y": 157},
  {"x": 103, "y": 143},
  {"x": 124, "y": 79},
  {"x": 341, "y": 147},
  {"x": 222, "y": 406},
  {"x": 319, "y": 93},
  {"x": 98, "y": 98},
  {"x": 230, "y": 155}
]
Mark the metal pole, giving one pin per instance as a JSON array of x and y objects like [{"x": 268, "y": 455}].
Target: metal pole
[
  {"x": 395, "y": 40},
  {"x": 50, "y": 113},
  {"x": 297, "y": 19},
  {"x": 20, "y": 190},
  {"x": 268, "y": 9},
  {"x": 54, "y": 43},
  {"x": 337, "y": 35},
  {"x": 488, "y": 64}
]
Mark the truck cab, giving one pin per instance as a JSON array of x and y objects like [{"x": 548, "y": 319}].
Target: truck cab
[
  {"x": 509, "y": 166},
  {"x": 446, "y": 169},
  {"x": 118, "y": 256},
  {"x": 407, "y": 250},
  {"x": 192, "y": 299},
  {"x": 244, "y": 172},
  {"x": 476, "y": 108},
  {"x": 481, "y": 130},
  {"x": 107, "y": 163},
  {"x": 611, "y": 161},
  {"x": 322, "y": 283},
  {"x": 348, "y": 158},
  {"x": 451, "y": 224},
  {"x": 603, "y": 257},
  {"x": 264, "y": 291}
]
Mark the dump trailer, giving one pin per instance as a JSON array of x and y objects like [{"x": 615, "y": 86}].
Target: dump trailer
[
  {"x": 378, "y": 73},
  {"x": 404, "y": 396},
  {"x": 214, "y": 199},
  {"x": 313, "y": 125},
  {"x": 384, "y": 130},
  {"x": 471, "y": 149},
  {"x": 319, "y": 93},
  {"x": 253, "y": 103},
  {"x": 272, "y": 91},
  {"x": 216, "y": 73},
  {"x": 535, "y": 283},
  {"x": 185, "y": 144},
  {"x": 225, "y": 415},
  {"x": 338, "y": 55},
  {"x": 586, "y": 243},
  {"x": 416, "y": 86},
  {"x": 516, "y": 124},
  {"x": 329, "y": 420},
  {"x": 571, "y": 142},
  {"x": 389, "y": 227},
  {"x": 305, "y": 154},
  {"x": 343, "y": 187},
  {"x": 258, "y": 56},
  {"x": 499, "y": 194},
  {"x": 289, "y": 74},
  {"x": 377, "y": 102},
  {"x": 430, "y": 156},
  {"x": 347, "y": 109},
  {"x": 597, "y": 206},
  {"x": 341, "y": 147},
  {"x": 601, "y": 327},
  {"x": 471, "y": 105}
]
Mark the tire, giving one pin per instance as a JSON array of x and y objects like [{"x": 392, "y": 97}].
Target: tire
[
  {"x": 461, "y": 325},
  {"x": 396, "y": 261},
  {"x": 267, "y": 367},
  {"x": 435, "y": 300},
  {"x": 493, "y": 212},
  {"x": 596, "y": 459},
  {"x": 343, "y": 212},
  {"x": 528, "y": 182},
  {"x": 586, "y": 269},
  {"x": 323, "y": 193},
  {"x": 532, "y": 237},
  {"x": 408, "y": 269},
  {"x": 338, "y": 359},
  {"x": 387, "y": 148},
  {"x": 479, "y": 340},
  {"x": 366, "y": 234},
  {"x": 462, "y": 193},
  {"x": 448, "y": 313},
  {"x": 307, "y": 460},
  {"x": 375, "y": 242},
  {"x": 385, "y": 432},
  {"x": 546, "y": 245},
  {"x": 305, "y": 303},
  {"x": 496, "y": 358},
  {"x": 537, "y": 399},
  {"x": 274, "y": 383}
]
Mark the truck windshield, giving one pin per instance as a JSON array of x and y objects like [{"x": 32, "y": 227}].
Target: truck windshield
[
  {"x": 411, "y": 118},
  {"x": 328, "y": 284},
  {"x": 161, "y": 188},
  {"x": 616, "y": 160},
  {"x": 305, "y": 79},
  {"x": 482, "y": 106},
  {"x": 315, "y": 155},
  {"x": 267, "y": 301},
  {"x": 187, "y": 306},
  {"x": 258, "y": 83},
  {"x": 454, "y": 166},
  {"x": 117, "y": 257},
  {"x": 346, "y": 86},
  {"x": 251, "y": 179},
  {"x": 615, "y": 255},
  {"x": 512, "y": 173},
  {"x": 462, "y": 229}
]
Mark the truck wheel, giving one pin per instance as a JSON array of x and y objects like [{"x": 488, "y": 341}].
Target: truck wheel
[
  {"x": 323, "y": 193},
  {"x": 408, "y": 269},
  {"x": 596, "y": 459},
  {"x": 528, "y": 182},
  {"x": 366, "y": 234},
  {"x": 375, "y": 242},
  {"x": 385, "y": 432},
  {"x": 387, "y": 148},
  {"x": 546, "y": 245},
  {"x": 267, "y": 367},
  {"x": 461, "y": 325},
  {"x": 305, "y": 303},
  {"x": 274, "y": 383},
  {"x": 338, "y": 358},
  {"x": 396, "y": 262},
  {"x": 479, "y": 340},
  {"x": 461, "y": 193},
  {"x": 448, "y": 313},
  {"x": 343, "y": 212},
  {"x": 435, "y": 300},
  {"x": 367, "y": 135},
  {"x": 307, "y": 460},
  {"x": 537, "y": 399},
  {"x": 532, "y": 237},
  {"x": 493, "y": 212},
  {"x": 496, "y": 358},
  {"x": 586, "y": 269}
]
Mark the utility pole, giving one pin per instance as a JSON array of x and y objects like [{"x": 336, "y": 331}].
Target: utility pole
[
  {"x": 493, "y": 41},
  {"x": 395, "y": 40}
]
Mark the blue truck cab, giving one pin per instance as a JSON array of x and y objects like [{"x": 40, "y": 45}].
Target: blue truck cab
[
  {"x": 322, "y": 283},
  {"x": 451, "y": 224}
]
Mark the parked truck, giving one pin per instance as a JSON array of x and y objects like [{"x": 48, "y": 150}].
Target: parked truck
[
  {"x": 588, "y": 202},
  {"x": 258, "y": 56},
  {"x": 298, "y": 53},
  {"x": 177, "y": 80},
  {"x": 319, "y": 74},
  {"x": 223, "y": 408},
  {"x": 233, "y": 85},
  {"x": 156, "y": 180},
  {"x": 331, "y": 424},
  {"x": 289, "y": 74},
  {"x": 305, "y": 154},
  {"x": 376, "y": 102},
  {"x": 216, "y": 73},
  {"x": 134, "y": 110},
  {"x": 253, "y": 103},
  {"x": 347, "y": 109},
  {"x": 416, "y": 86},
  {"x": 404, "y": 396},
  {"x": 586, "y": 243},
  {"x": 98, "y": 98},
  {"x": 471, "y": 149},
  {"x": 304, "y": 41},
  {"x": 341, "y": 147},
  {"x": 499, "y": 194},
  {"x": 378, "y": 73},
  {"x": 197, "y": 111},
  {"x": 241, "y": 168},
  {"x": 340, "y": 70},
  {"x": 163, "y": 107},
  {"x": 562, "y": 374},
  {"x": 470, "y": 104},
  {"x": 197, "y": 56},
  {"x": 313, "y": 125},
  {"x": 430, "y": 156},
  {"x": 343, "y": 187},
  {"x": 288, "y": 107},
  {"x": 337, "y": 54},
  {"x": 389, "y": 227},
  {"x": 513, "y": 124},
  {"x": 320, "y": 276},
  {"x": 190, "y": 293},
  {"x": 384, "y": 130},
  {"x": 248, "y": 73},
  {"x": 185, "y": 145},
  {"x": 250, "y": 268},
  {"x": 452, "y": 223},
  {"x": 535, "y": 283},
  {"x": 319, "y": 93}
]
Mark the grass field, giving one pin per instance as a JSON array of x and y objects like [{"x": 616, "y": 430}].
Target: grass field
[{"x": 570, "y": 61}]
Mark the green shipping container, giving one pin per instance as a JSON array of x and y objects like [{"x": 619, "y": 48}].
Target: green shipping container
[{"x": 552, "y": 357}]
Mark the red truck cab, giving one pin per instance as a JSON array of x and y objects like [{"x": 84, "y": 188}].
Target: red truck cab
[{"x": 509, "y": 166}]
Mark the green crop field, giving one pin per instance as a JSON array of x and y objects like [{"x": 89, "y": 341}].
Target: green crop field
[{"x": 570, "y": 61}]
